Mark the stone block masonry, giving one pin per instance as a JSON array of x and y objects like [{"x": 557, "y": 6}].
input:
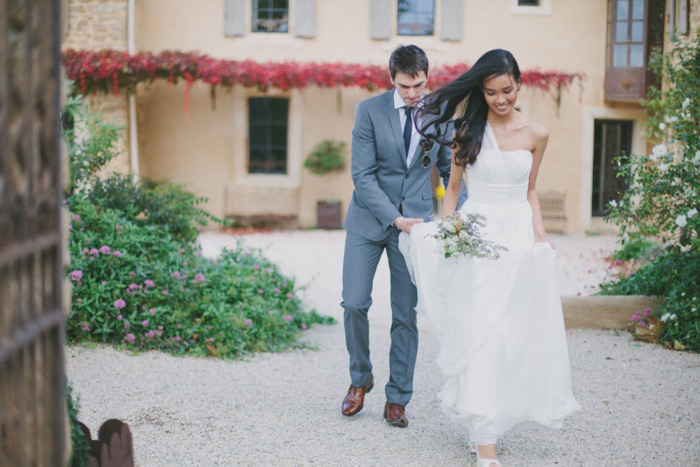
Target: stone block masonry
[{"x": 102, "y": 24}]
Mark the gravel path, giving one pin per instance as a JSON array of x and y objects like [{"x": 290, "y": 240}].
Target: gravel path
[{"x": 641, "y": 404}]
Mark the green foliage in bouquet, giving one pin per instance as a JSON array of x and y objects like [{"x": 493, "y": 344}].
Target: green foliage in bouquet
[
  {"x": 138, "y": 274},
  {"x": 664, "y": 195},
  {"x": 461, "y": 237},
  {"x": 327, "y": 156}
]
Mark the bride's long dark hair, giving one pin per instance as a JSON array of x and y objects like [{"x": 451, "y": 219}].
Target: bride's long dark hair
[{"x": 463, "y": 100}]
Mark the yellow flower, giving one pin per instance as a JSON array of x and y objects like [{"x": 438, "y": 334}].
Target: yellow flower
[{"x": 440, "y": 192}]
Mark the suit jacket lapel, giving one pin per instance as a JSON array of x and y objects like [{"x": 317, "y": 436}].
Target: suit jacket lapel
[
  {"x": 417, "y": 155},
  {"x": 395, "y": 122}
]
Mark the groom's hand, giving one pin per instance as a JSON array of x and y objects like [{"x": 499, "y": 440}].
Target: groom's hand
[{"x": 404, "y": 224}]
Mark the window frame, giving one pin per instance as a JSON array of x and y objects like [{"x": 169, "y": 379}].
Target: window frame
[
  {"x": 254, "y": 18},
  {"x": 613, "y": 24},
  {"x": 598, "y": 185},
  {"x": 434, "y": 23},
  {"x": 268, "y": 146},
  {"x": 543, "y": 9}
]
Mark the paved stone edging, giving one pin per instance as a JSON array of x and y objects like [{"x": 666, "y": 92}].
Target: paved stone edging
[{"x": 604, "y": 311}]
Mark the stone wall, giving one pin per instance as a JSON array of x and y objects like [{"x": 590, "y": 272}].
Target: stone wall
[
  {"x": 96, "y": 24},
  {"x": 102, "y": 24}
]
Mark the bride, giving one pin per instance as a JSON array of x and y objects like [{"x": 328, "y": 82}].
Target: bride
[{"x": 499, "y": 322}]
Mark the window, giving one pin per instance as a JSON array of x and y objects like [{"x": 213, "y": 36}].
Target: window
[
  {"x": 634, "y": 28},
  {"x": 531, "y": 7},
  {"x": 416, "y": 17},
  {"x": 610, "y": 139},
  {"x": 267, "y": 135},
  {"x": 628, "y": 40},
  {"x": 270, "y": 15}
]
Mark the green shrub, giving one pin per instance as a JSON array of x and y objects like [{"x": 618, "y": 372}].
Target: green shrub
[
  {"x": 80, "y": 448},
  {"x": 150, "y": 203},
  {"x": 139, "y": 279},
  {"x": 674, "y": 276},
  {"x": 663, "y": 198},
  {"x": 326, "y": 157},
  {"x": 638, "y": 249}
]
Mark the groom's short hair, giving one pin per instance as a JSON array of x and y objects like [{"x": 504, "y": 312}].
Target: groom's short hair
[{"x": 408, "y": 59}]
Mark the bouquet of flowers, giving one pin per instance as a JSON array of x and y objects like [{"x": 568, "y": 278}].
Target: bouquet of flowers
[{"x": 461, "y": 236}]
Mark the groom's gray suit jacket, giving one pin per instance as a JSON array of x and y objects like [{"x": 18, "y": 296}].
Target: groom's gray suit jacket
[{"x": 385, "y": 188}]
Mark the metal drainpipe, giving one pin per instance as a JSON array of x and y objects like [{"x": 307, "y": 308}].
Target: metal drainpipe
[{"x": 133, "y": 133}]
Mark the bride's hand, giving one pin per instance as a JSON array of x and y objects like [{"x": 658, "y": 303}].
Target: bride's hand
[
  {"x": 404, "y": 224},
  {"x": 541, "y": 237}
]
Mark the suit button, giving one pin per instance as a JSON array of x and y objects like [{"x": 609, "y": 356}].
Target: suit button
[
  {"x": 403, "y": 198},
  {"x": 406, "y": 175}
]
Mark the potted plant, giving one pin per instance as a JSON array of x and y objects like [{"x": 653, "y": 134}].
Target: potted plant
[{"x": 327, "y": 156}]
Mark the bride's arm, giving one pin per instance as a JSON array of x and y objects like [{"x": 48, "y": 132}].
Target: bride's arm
[
  {"x": 453, "y": 189},
  {"x": 541, "y": 137}
]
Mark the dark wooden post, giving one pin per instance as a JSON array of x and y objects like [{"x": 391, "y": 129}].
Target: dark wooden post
[{"x": 32, "y": 399}]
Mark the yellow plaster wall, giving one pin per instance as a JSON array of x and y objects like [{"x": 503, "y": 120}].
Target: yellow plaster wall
[
  {"x": 94, "y": 25},
  {"x": 570, "y": 38}
]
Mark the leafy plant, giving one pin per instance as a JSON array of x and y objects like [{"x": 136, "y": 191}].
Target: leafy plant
[
  {"x": 326, "y": 157},
  {"x": 91, "y": 143},
  {"x": 638, "y": 249},
  {"x": 80, "y": 448},
  {"x": 664, "y": 191},
  {"x": 139, "y": 278},
  {"x": 663, "y": 198}
]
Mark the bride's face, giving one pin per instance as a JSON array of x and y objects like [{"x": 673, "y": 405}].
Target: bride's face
[{"x": 500, "y": 93}]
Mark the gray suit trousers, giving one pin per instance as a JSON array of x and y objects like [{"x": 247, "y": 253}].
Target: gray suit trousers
[{"x": 359, "y": 266}]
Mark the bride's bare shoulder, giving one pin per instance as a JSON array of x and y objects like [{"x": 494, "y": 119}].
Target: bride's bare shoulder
[{"x": 538, "y": 131}]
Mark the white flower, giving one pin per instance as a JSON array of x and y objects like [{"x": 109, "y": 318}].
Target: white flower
[
  {"x": 673, "y": 119},
  {"x": 681, "y": 221},
  {"x": 663, "y": 167},
  {"x": 654, "y": 158},
  {"x": 659, "y": 150},
  {"x": 613, "y": 203},
  {"x": 662, "y": 126},
  {"x": 692, "y": 213},
  {"x": 686, "y": 102},
  {"x": 673, "y": 316},
  {"x": 686, "y": 248},
  {"x": 665, "y": 317},
  {"x": 696, "y": 159}
]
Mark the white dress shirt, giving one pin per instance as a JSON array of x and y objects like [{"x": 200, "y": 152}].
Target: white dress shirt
[{"x": 415, "y": 136}]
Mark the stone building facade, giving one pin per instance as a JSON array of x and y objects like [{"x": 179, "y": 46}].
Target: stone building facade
[{"x": 208, "y": 150}]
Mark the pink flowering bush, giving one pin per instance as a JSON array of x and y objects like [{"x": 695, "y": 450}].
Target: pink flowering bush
[{"x": 159, "y": 292}]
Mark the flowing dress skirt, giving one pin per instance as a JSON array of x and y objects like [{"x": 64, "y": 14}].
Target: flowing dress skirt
[{"x": 502, "y": 343}]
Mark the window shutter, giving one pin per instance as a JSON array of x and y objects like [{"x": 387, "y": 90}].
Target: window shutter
[
  {"x": 451, "y": 19},
  {"x": 683, "y": 18},
  {"x": 305, "y": 18},
  {"x": 380, "y": 24},
  {"x": 234, "y": 18}
]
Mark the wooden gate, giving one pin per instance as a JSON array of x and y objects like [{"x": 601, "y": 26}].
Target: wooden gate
[{"x": 32, "y": 397}]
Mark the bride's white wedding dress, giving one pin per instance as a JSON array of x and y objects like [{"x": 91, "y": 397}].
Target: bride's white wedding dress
[{"x": 499, "y": 322}]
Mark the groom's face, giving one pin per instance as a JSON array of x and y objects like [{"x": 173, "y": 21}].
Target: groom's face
[{"x": 410, "y": 88}]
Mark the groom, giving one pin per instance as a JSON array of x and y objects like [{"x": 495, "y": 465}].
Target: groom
[{"x": 391, "y": 173}]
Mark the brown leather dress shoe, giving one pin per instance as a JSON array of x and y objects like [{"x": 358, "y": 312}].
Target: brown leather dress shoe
[
  {"x": 395, "y": 415},
  {"x": 355, "y": 398}
]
